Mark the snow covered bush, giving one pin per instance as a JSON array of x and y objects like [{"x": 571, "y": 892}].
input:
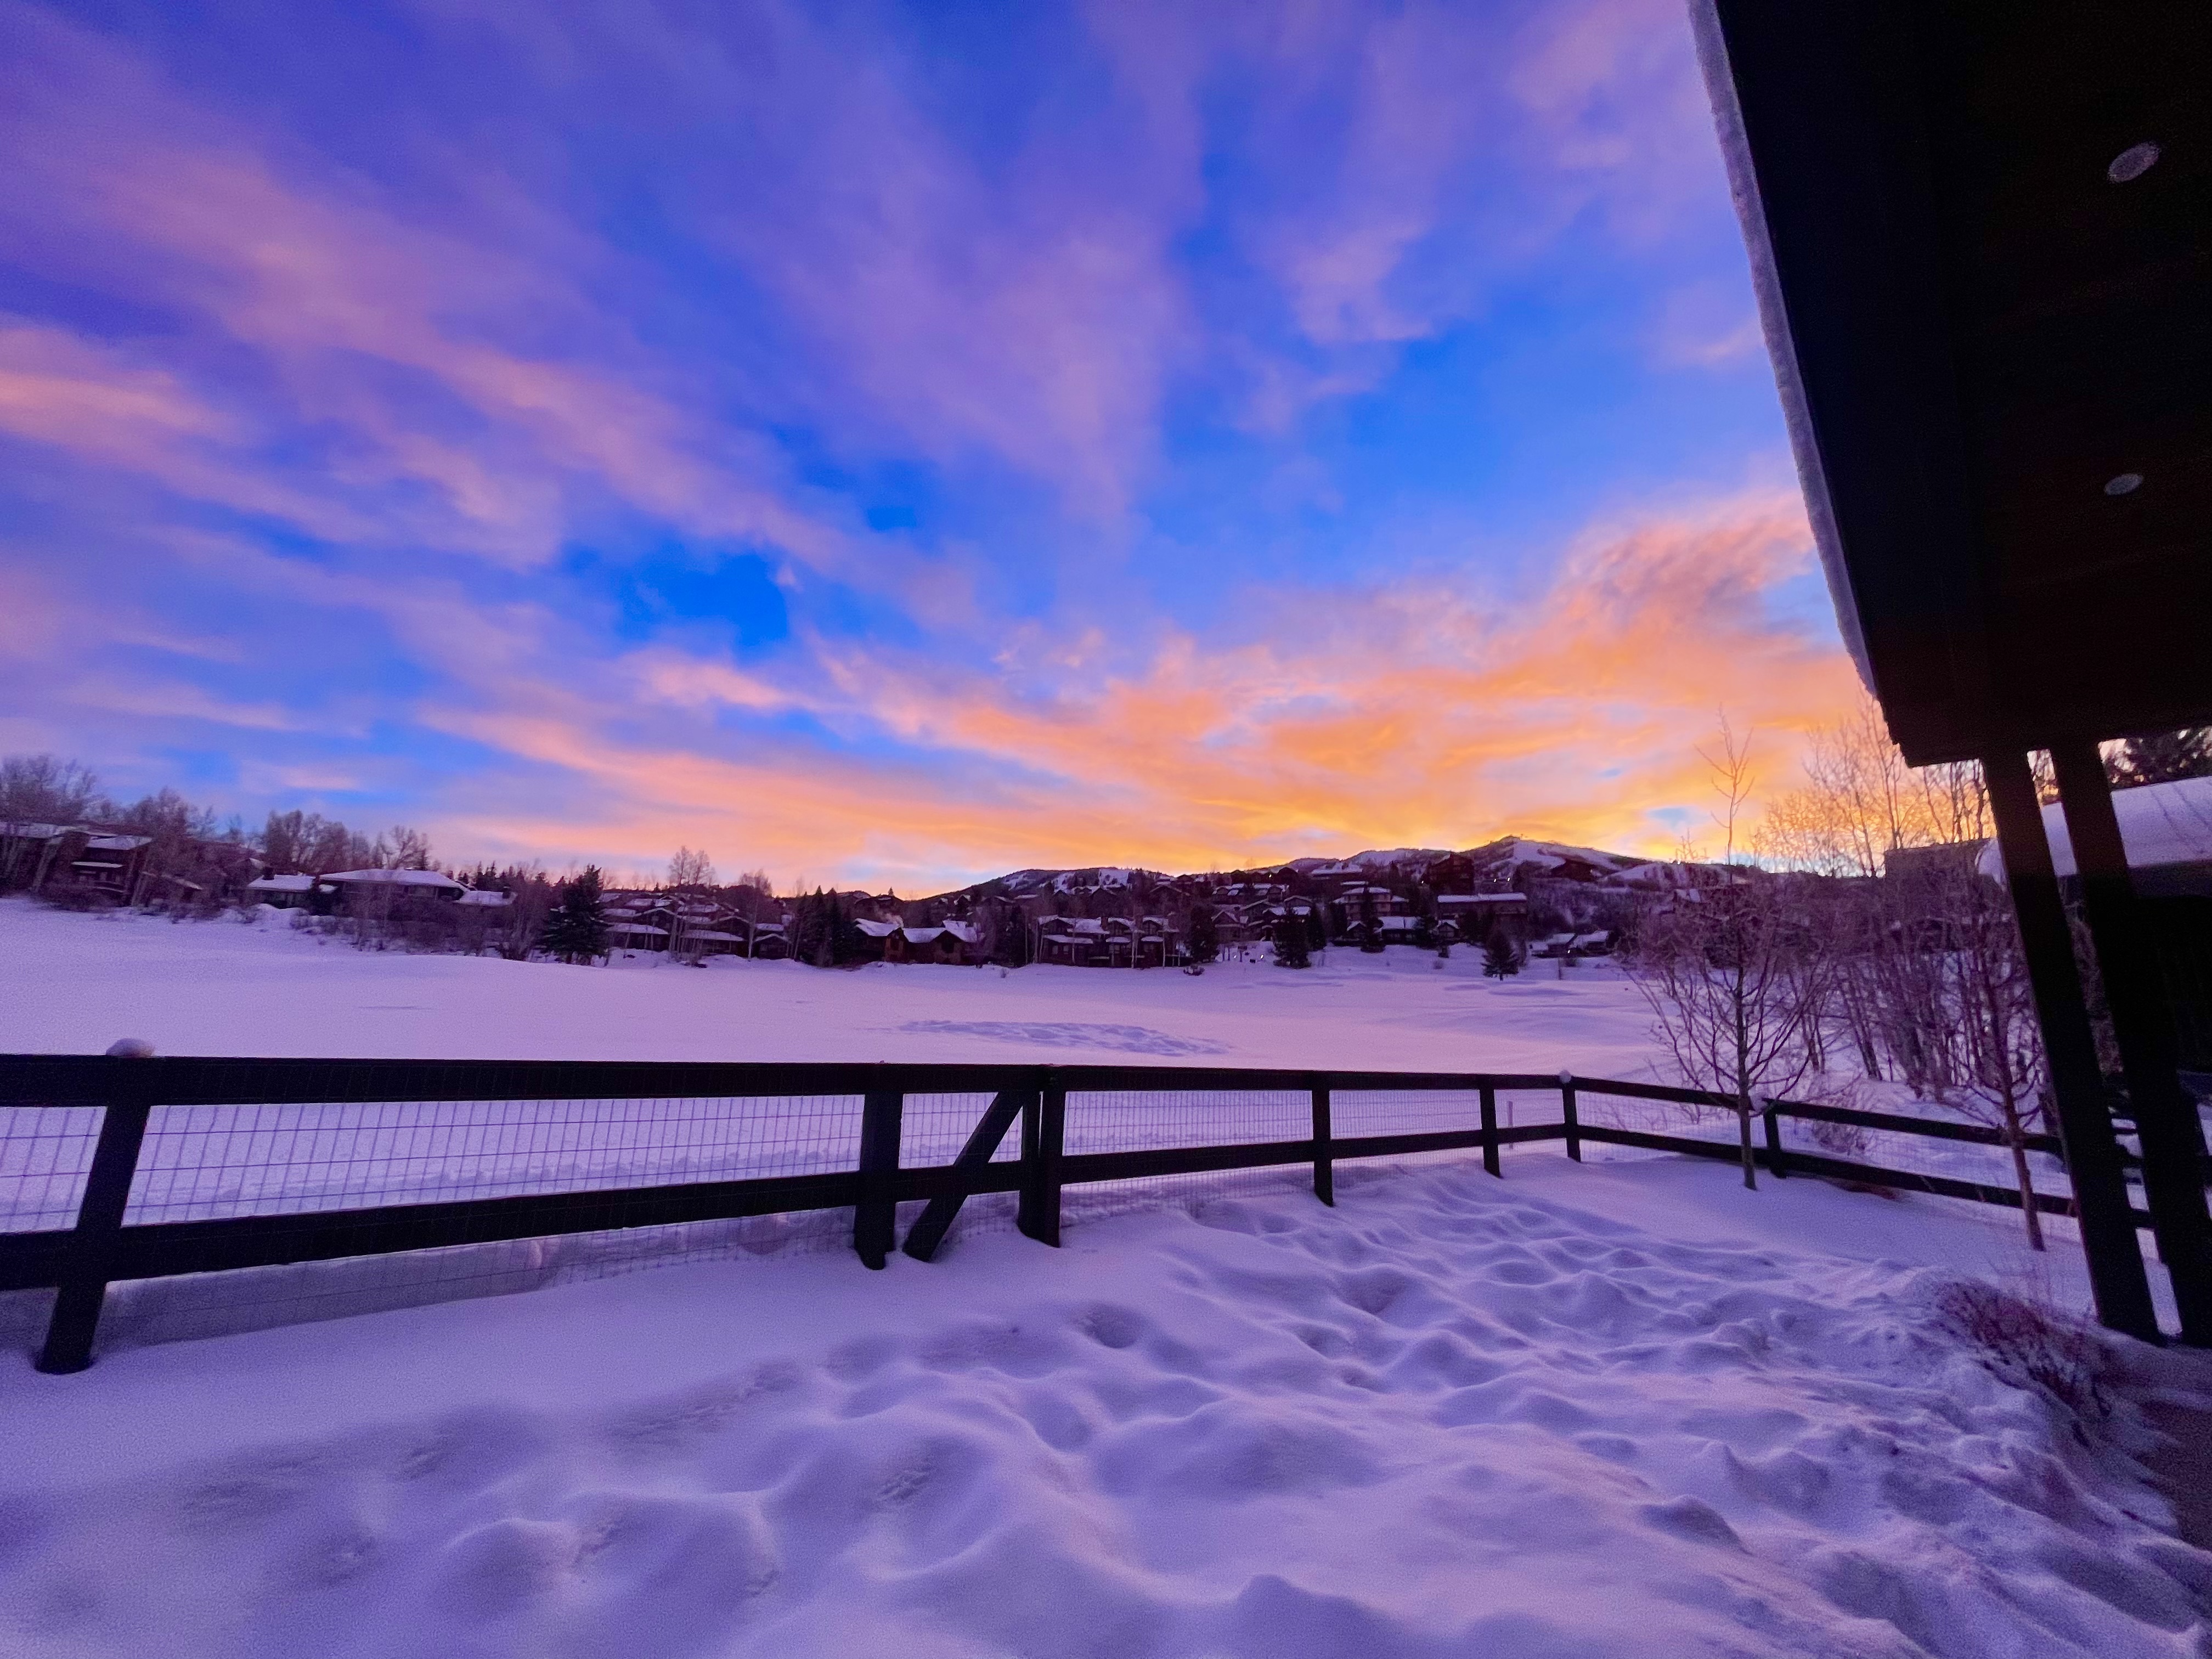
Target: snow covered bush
[{"x": 2029, "y": 1344}]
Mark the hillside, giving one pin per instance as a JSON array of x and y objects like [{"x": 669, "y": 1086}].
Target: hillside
[{"x": 1501, "y": 863}]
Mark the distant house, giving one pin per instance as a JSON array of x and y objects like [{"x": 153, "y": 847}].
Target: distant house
[
  {"x": 938, "y": 945},
  {"x": 112, "y": 864},
  {"x": 288, "y": 892},
  {"x": 1473, "y": 917},
  {"x": 400, "y": 883},
  {"x": 713, "y": 941}
]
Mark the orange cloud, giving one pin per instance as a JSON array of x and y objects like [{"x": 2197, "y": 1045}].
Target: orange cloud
[{"x": 1418, "y": 714}]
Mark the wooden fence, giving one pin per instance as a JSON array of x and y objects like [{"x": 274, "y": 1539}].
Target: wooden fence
[{"x": 78, "y": 1129}]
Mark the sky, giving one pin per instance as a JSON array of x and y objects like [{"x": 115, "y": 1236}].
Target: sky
[{"x": 892, "y": 444}]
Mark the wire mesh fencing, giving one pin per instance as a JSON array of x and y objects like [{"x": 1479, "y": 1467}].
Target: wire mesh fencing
[
  {"x": 1131, "y": 1121},
  {"x": 314, "y": 1206},
  {"x": 201, "y": 1162},
  {"x": 45, "y": 1153}
]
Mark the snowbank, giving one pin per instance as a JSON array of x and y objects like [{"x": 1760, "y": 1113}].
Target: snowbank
[{"x": 1630, "y": 1410}]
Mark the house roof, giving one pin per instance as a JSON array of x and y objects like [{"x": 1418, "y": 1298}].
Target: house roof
[
  {"x": 293, "y": 883},
  {"x": 877, "y": 929},
  {"x": 1984, "y": 294},
  {"x": 424, "y": 878},
  {"x": 116, "y": 843},
  {"x": 488, "y": 898},
  {"x": 2162, "y": 825}
]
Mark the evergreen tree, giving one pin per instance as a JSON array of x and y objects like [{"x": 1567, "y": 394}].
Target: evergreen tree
[
  {"x": 1205, "y": 935},
  {"x": 2164, "y": 758},
  {"x": 1316, "y": 929},
  {"x": 1291, "y": 943},
  {"x": 1501, "y": 956},
  {"x": 1370, "y": 925},
  {"x": 577, "y": 929}
]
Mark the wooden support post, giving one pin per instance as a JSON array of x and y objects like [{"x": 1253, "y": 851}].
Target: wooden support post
[
  {"x": 1743, "y": 1135},
  {"x": 76, "y": 1319},
  {"x": 1324, "y": 1161},
  {"x": 1570, "y": 1115},
  {"x": 937, "y": 1218},
  {"x": 1044, "y": 1129},
  {"x": 1490, "y": 1131},
  {"x": 1773, "y": 1120},
  {"x": 2166, "y": 1117},
  {"x": 875, "y": 1217},
  {"x": 2114, "y": 1253}
]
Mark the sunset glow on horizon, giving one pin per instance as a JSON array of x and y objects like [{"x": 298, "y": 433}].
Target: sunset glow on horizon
[{"x": 892, "y": 444}]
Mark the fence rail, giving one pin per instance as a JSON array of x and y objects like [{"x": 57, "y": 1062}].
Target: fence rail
[{"x": 287, "y": 1148}]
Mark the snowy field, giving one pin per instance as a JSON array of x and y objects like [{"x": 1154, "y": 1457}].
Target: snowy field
[
  {"x": 1627, "y": 1410},
  {"x": 73, "y": 984},
  {"x": 1625, "y": 1407}
]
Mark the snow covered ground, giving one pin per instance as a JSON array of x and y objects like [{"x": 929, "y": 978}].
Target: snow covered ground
[
  {"x": 73, "y": 984},
  {"x": 1616, "y": 1407},
  {"x": 1620, "y": 1409}
]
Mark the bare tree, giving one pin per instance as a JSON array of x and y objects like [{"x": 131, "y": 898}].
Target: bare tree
[
  {"x": 689, "y": 869},
  {"x": 1921, "y": 953},
  {"x": 47, "y": 789},
  {"x": 1723, "y": 966},
  {"x": 405, "y": 849}
]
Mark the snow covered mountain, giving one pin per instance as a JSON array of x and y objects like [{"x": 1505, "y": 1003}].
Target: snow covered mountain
[{"x": 1500, "y": 863}]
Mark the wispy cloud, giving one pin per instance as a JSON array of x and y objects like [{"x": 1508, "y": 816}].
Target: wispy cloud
[{"x": 1074, "y": 378}]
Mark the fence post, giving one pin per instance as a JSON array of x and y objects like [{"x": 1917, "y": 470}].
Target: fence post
[
  {"x": 75, "y": 1318},
  {"x": 875, "y": 1217},
  {"x": 1324, "y": 1159},
  {"x": 1743, "y": 1126},
  {"x": 1570, "y": 1114},
  {"x": 1773, "y": 1120},
  {"x": 1489, "y": 1130},
  {"x": 2109, "y": 1244},
  {"x": 2166, "y": 1122},
  {"x": 1044, "y": 1130}
]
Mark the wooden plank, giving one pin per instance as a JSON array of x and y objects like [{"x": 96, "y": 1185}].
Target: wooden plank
[
  {"x": 1324, "y": 1176},
  {"x": 89, "y": 1261},
  {"x": 982, "y": 1144},
  {"x": 875, "y": 1210}
]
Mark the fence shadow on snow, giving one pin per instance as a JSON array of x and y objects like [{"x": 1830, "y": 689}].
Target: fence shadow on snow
[{"x": 224, "y": 1194}]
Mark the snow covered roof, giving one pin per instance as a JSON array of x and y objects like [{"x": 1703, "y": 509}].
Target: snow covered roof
[
  {"x": 637, "y": 930},
  {"x": 488, "y": 898},
  {"x": 2160, "y": 824},
  {"x": 116, "y": 843},
  {"x": 923, "y": 935},
  {"x": 1462, "y": 901},
  {"x": 877, "y": 929},
  {"x": 965, "y": 932},
  {"x": 423, "y": 878},
  {"x": 295, "y": 884},
  {"x": 714, "y": 936},
  {"x": 20, "y": 831}
]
